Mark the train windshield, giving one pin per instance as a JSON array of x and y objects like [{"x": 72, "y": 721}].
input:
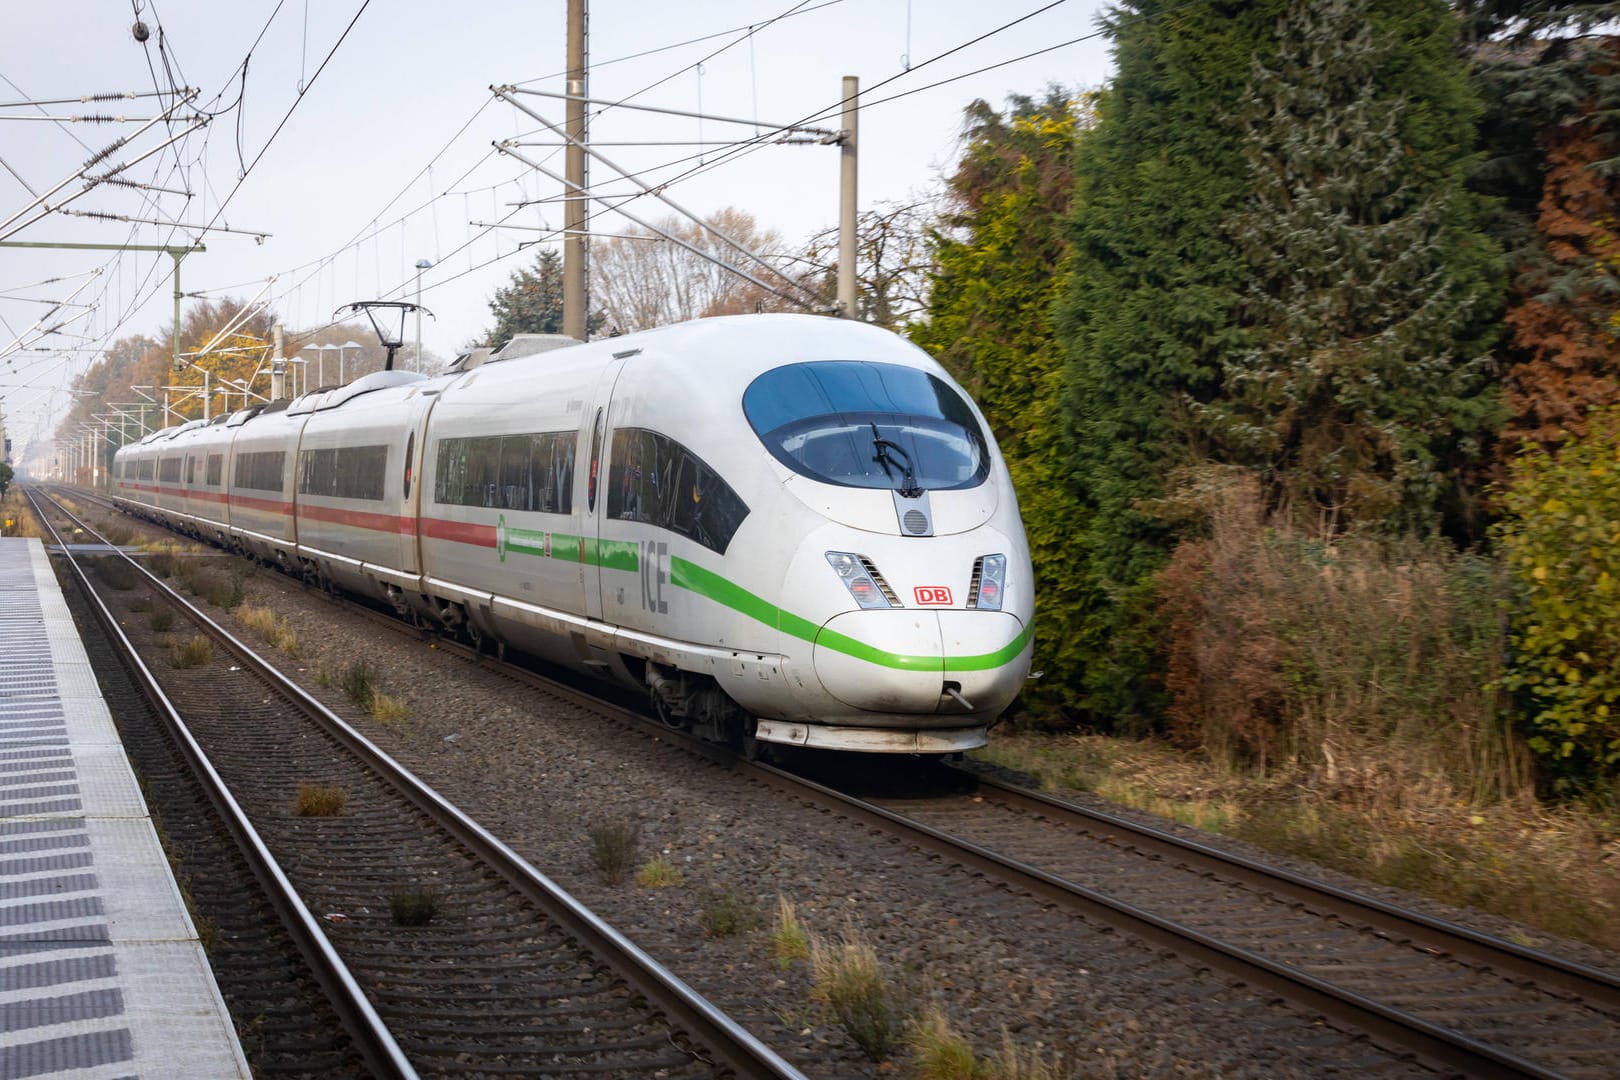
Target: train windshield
[{"x": 861, "y": 424}]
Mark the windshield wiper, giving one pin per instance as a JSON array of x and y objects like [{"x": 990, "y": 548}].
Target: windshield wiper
[{"x": 909, "y": 488}]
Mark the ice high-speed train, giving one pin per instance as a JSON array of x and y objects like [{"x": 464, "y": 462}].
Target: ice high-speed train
[{"x": 788, "y": 529}]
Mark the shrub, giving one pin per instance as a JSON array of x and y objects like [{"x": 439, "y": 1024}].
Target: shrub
[
  {"x": 613, "y": 848},
  {"x": 162, "y": 620},
  {"x": 417, "y": 908},
  {"x": 115, "y": 572},
  {"x": 1560, "y": 535},
  {"x": 225, "y": 594},
  {"x": 360, "y": 683},
  {"x": 726, "y": 914},
  {"x": 320, "y": 800},
  {"x": 1365, "y": 660},
  {"x": 849, "y": 981}
]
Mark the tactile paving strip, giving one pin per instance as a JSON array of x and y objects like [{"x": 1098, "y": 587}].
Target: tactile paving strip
[{"x": 101, "y": 974}]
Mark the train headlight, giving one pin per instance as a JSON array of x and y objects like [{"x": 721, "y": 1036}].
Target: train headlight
[
  {"x": 862, "y": 580},
  {"x": 992, "y": 580}
]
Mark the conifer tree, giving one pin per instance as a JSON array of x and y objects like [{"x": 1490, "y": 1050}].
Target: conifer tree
[
  {"x": 1149, "y": 308},
  {"x": 1196, "y": 275},
  {"x": 532, "y": 302},
  {"x": 1363, "y": 393}
]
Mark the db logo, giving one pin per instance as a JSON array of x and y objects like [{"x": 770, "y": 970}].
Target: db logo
[{"x": 932, "y": 594}]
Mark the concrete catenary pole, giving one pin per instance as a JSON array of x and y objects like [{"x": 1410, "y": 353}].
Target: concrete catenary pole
[
  {"x": 575, "y": 250},
  {"x": 846, "y": 207}
]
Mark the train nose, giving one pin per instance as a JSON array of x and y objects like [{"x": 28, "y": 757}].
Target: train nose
[{"x": 917, "y": 660}]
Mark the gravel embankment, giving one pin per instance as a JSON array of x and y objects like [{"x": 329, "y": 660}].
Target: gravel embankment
[{"x": 539, "y": 773}]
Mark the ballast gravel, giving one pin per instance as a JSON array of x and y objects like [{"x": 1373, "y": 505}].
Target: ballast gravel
[{"x": 542, "y": 773}]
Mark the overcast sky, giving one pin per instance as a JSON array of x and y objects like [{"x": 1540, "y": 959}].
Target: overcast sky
[{"x": 386, "y": 157}]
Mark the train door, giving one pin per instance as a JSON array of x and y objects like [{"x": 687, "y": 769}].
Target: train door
[
  {"x": 414, "y": 450},
  {"x": 597, "y": 559}
]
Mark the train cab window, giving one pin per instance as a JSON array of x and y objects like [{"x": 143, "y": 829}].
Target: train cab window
[
  {"x": 655, "y": 480},
  {"x": 216, "y": 469},
  {"x": 862, "y": 424}
]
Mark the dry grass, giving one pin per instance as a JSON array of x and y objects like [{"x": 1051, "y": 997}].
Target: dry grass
[
  {"x": 387, "y": 709},
  {"x": 938, "y": 1052},
  {"x": 320, "y": 800},
  {"x": 194, "y": 652},
  {"x": 1555, "y": 869},
  {"x": 270, "y": 627},
  {"x": 849, "y": 981},
  {"x": 659, "y": 873},
  {"x": 789, "y": 940},
  {"x": 15, "y": 510}
]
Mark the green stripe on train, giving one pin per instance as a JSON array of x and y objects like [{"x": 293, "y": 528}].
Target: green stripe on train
[
  {"x": 694, "y": 578},
  {"x": 625, "y": 555}
]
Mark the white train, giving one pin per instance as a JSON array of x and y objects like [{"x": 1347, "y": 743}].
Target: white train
[{"x": 788, "y": 529}]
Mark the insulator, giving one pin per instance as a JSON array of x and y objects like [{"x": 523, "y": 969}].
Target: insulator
[{"x": 113, "y": 148}]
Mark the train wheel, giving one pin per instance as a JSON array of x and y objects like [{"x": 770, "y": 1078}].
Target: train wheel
[{"x": 750, "y": 745}]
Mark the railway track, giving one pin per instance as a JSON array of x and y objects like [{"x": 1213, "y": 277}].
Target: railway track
[
  {"x": 1455, "y": 1000},
  {"x": 466, "y": 958}
]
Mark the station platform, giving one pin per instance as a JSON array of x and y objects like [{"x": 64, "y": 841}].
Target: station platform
[{"x": 101, "y": 972}]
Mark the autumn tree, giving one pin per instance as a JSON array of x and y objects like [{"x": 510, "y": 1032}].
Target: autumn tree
[
  {"x": 642, "y": 279},
  {"x": 998, "y": 251},
  {"x": 894, "y": 264}
]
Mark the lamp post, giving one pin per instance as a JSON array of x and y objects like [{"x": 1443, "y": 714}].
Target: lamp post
[
  {"x": 421, "y": 265},
  {"x": 340, "y": 349}
]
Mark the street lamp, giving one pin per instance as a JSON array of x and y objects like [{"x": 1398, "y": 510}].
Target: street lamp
[
  {"x": 340, "y": 348},
  {"x": 421, "y": 265}
]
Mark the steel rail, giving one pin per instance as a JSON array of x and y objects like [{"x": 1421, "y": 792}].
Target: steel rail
[
  {"x": 1390, "y": 1028},
  {"x": 737, "y": 1048},
  {"x": 1462, "y": 943},
  {"x": 373, "y": 1041}
]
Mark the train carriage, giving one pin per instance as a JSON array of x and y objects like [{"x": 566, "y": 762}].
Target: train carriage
[
  {"x": 787, "y": 529},
  {"x": 353, "y": 482},
  {"x": 258, "y": 475}
]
